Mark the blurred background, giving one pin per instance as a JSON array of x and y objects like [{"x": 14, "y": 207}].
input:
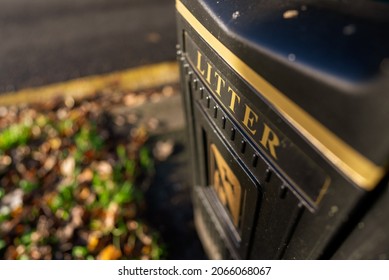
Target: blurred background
[
  {"x": 47, "y": 41},
  {"x": 93, "y": 161}
]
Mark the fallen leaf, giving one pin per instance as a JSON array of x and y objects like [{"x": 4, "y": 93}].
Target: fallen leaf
[
  {"x": 43, "y": 226},
  {"x": 120, "y": 121},
  {"x": 50, "y": 163},
  {"x": 35, "y": 254},
  {"x": 20, "y": 249},
  {"x": 45, "y": 147},
  {"x": 132, "y": 118},
  {"x": 35, "y": 237},
  {"x": 146, "y": 250},
  {"x": 77, "y": 213},
  {"x": 128, "y": 249},
  {"x": 13, "y": 200},
  {"x": 110, "y": 216},
  {"x": 38, "y": 156},
  {"x": 69, "y": 102},
  {"x": 84, "y": 193},
  {"x": 163, "y": 149},
  {"x": 36, "y": 131},
  {"x": 109, "y": 253},
  {"x": 153, "y": 124},
  {"x": 55, "y": 143},
  {"x": 168, "y": 91},
  {"x": 104, "y": 169},
  {"x": 139, "y": 135},
  {"x": 62, "y": 113},
  {"x": 65, "y": 233},
  {"x": 5, "y": 161},
  {"x": 93, "y": 241},
  {"x": 85, "y": 176},
  {"x": 67, "y": 166},
  {"x": 132, "y": 225},
  {"x": 10, "y": 253},
  {"x": 17, "y": 212},
  {"x": 19, "y": 229},
  {"x": 3, "y": 111},
  {"x": 134, "y": 99},
  {"x": 290, "y": 14}
]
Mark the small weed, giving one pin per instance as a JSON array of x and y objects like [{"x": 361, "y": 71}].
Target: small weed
[
  {"x": 25, "y": 239},
  {"x": 3, "y": 244},
  {"x": 16, "y": 134},
  {"x": 79, "y": 252},
  {"x": 28, "y": 186},
  {"x": 88, "y": 139},
  {"x": 145, "y": 159}
]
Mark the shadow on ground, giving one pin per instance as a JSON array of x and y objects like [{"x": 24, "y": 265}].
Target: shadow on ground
[
  {"x": 169, "y": 201},
  {"x": 168, "y": 197}
]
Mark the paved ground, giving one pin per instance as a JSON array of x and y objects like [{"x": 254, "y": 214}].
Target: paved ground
[{"x": 47, "y": 41}]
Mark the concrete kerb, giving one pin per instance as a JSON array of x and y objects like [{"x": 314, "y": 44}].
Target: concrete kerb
[{"x": 135, "y": 79}]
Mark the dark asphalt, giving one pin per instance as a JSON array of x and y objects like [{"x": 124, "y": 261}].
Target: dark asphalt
[{"x": 47, "y": 41}]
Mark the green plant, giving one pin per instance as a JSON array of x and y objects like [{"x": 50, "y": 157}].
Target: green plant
[
  {"x": 145, "y": 159},
  {"x": 28, "y": 186},
  {"x": 79, "y": 252},
  {"x": 15, "y": 134},
  {"x": 3, "y": 244},
  {"x": 88, "y": 139},
  {"x": 2, "y": 192}
]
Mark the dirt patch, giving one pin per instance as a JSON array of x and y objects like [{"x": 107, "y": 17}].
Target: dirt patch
[{"x": 79, "y": 180}]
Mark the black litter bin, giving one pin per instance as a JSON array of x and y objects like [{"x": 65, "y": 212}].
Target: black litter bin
[{"x": 287, "y": 107}]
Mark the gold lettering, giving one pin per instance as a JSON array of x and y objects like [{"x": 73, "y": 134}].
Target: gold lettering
[
  {"x": 209, "y": 70},
  {"x": 198, "y": 66},
  {"x": 219, "y": 83},
  {"x": 270, "y": 140},
  {"x": 234, "y": 97},
  {"x": 249, "y": 118}
]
